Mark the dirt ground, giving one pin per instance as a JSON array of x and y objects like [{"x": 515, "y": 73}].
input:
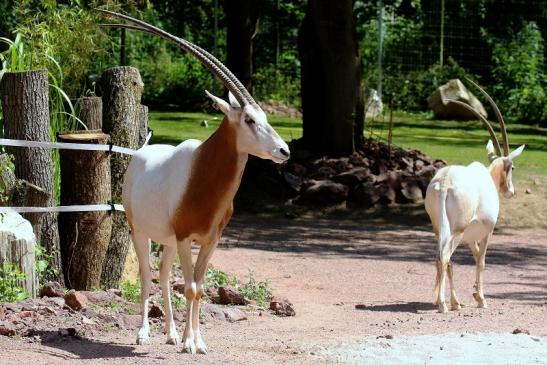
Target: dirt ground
[{"x": 363, "y": 293}]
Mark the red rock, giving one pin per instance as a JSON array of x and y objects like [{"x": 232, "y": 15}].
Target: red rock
[
  {"x": 179, "y": 287},
  {"x": 52, "y": 289},
  {"x": 7, "y": 329},
  {"x": 116, "y": 292},
  {"x": 325, "y": 191},
  {"x": 155, "y": 311},
  {"x": 281, "y": 306},
  {"x": 76, "y": 300},
  {"x": 230, "y": 295},
  {"x": 2, "y": 313}
]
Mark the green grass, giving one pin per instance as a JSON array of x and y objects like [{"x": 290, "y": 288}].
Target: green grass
[
  {"x": 460, "y": 142},
  {"x": 173, "y": 127},
  {"x": 454, "y": 141}
]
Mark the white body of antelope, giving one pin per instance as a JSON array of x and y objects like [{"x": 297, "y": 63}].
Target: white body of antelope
[
  {"x": 463, "y": 205},
  {"x": 179, "y": 196}
]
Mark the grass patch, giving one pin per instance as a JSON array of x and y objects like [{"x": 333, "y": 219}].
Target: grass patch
[
  {"x": 173, "y": 127},
  {"x": 131, "y": 291}
]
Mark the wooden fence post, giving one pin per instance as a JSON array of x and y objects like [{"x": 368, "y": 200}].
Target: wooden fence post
[
  {"x": 89, "y": 110},
  {"x": 143, "y": 127},
  {"x": 85, "y": 236},
  {"x": 26, "y": 116},
  {"x": 121, "y": 92}
]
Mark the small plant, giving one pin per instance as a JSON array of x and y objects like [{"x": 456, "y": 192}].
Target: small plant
[
  {"x": 258, "y": 291},
  {"x": 10, "y": 290},
  {"x": 216, "y": 278},
  {"x": 179, "y": 301},
  {"x": 131, "y": 291},
  {"x": 42, "y": 264}
]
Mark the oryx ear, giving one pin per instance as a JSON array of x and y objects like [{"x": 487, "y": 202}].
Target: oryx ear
[
  {"x": 490, "y": 150},
  {"x": 233, "y": 101},
  {"x": 219, "y": 104},
  {"x": 516, "y": 153}
]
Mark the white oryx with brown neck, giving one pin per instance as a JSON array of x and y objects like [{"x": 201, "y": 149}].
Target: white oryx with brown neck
[
  {"x": 463, "y": 202},
  {"x": 181, "y": 195}
]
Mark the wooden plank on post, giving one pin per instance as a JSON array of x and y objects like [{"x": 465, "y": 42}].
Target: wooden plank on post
[
  {"x": 121, "y": 92},
  {"x": 26, "y": 116},
  {"x": 85, "y": 236},
  {"x": 89, "y": 110}
]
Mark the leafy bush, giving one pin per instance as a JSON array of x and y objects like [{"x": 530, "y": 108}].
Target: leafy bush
[
  {"x": 10, "y": 290},
  {"x": 131, "y": 291},
  {"x": 410, "y": 90},
  {"x": 520, "y": 83},
  {"x": 258, "y": 291},
  {"x": 42, "y": 264},
  {"x": 216, "y": 278},
  {"x": 271, "y": 84}
]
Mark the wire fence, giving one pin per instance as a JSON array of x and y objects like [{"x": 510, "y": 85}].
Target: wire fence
[{"x": 403, "y": 39}]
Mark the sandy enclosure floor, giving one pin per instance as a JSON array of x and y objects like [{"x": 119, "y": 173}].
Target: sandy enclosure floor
[{"x": 362, "y": 292}]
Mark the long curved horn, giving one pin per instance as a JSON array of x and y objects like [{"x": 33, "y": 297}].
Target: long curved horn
[
  {"x": 498, "y": 116},
  {"x": 484, "y": 121},
  {"x": 208, "y": 60}
]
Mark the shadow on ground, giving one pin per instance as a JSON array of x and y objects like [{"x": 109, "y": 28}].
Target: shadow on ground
[
  {"x": 410, "y": 307},
  {"x": 354, "y": 238},
  {"x": 76, "y": 347}
]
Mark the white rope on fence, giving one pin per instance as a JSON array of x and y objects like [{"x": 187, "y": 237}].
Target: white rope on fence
[
  {"x": 66, "y": 146},
  {"x": 64, "y": 208}
]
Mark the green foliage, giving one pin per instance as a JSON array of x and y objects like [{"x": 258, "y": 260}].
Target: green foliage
[
  {"x": 216, "y": 278},
  {"x": 10, "y": 289},
  {"x": 131, "y": 291},
  {"x": 44, "y": 270},
  {"x": 273, "y": 85},
  {"x": 6, "y": 163},
  {"x": 410, "y": 90},
  {"x": 521, "y": 84},
  {"x": 258, "y": 291},
  {"x": 64, "y": 38}
]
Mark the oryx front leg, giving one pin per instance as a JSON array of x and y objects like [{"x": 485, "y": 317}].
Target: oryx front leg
[
  {"x": 204, "y": 256},
  {"x": 142, "y": 248},
  {"x": 185, "y": 255},
  {"x": 167, "y": 257}
]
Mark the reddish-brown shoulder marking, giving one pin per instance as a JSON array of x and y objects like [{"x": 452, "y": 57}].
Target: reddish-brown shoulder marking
[{"x": 211, "y": 185}]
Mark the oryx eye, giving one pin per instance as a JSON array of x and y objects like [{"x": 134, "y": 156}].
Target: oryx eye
[{"x": 249, "y": 120}]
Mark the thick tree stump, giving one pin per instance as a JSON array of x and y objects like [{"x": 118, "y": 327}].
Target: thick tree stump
[
  {"x": 26, "y": 116},
  {"x": 18, "y": 247},
  {"x": 122, "y": 88},
  {"x": 89, "y": 110},
  {"x": 85, "y": 236}
]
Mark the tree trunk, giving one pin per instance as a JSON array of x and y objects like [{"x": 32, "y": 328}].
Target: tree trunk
[
  {"x": 26, "y": 116},
  {"x": 122, "y": 89},
  {"x": 89, "y": 110},
  {"x": 359, "y": 120},
  {"x": 85, "y": 236},
  {"x": 329, "y": 56},
  {"x": 242, "y": 18}
]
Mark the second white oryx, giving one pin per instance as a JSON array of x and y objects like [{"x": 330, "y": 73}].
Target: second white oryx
[
  {"x": 463, "y": 205},
  {"x": 179, "y": 196}
]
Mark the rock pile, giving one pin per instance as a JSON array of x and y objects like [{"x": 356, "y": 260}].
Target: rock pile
[{"x": 374, "y": 174}]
